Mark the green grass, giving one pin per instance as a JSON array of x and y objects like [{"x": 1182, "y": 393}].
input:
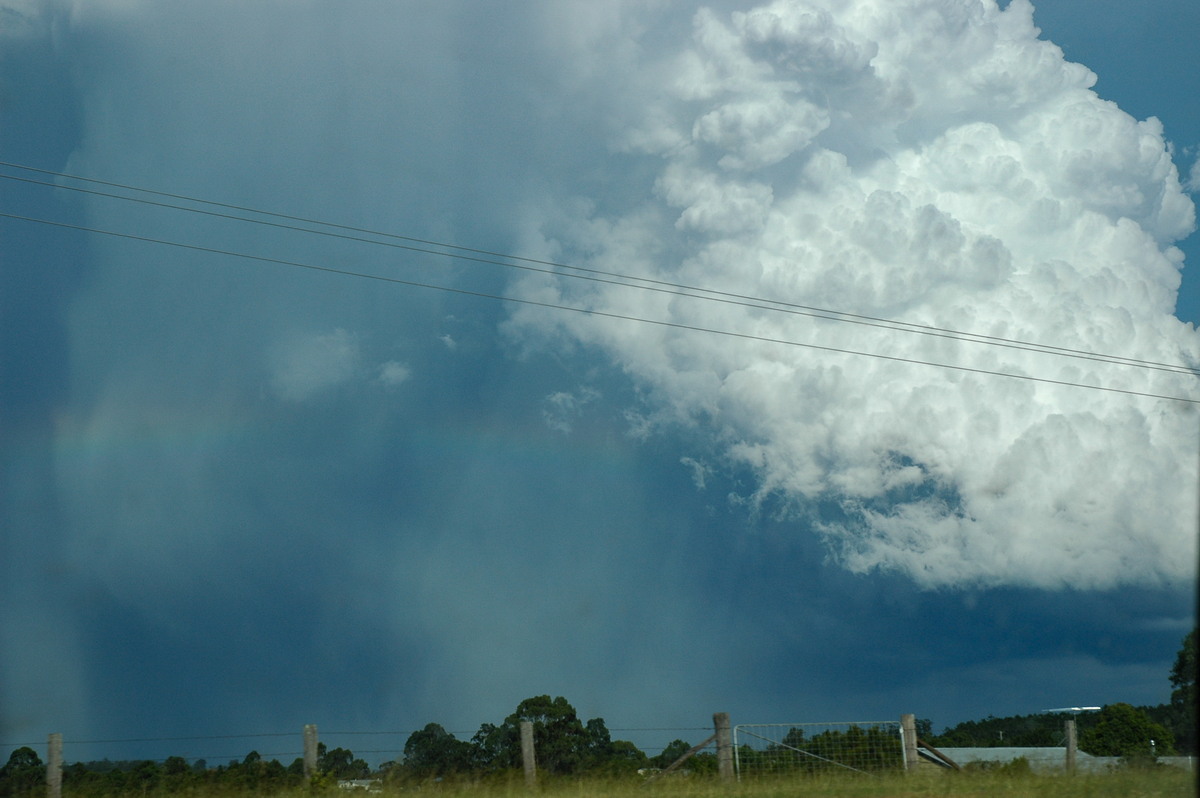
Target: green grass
[
  {"x": 1145, "y": 783},
  {"x": 1121, "y": 784}
]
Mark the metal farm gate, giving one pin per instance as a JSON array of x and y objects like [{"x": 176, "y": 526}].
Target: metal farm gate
[{"x": 871, "y": 747}]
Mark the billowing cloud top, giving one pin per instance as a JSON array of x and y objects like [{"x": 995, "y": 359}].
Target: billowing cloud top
[{"x": 933, "y": 162}]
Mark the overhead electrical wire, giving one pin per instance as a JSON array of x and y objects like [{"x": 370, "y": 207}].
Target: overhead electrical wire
[
  {"x": 587, "y": 311},
  {"x": 575, "y": 272},
  {"x": 589, "y": 274}
]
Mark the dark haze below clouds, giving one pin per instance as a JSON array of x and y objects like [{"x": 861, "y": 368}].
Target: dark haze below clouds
[{"x": 238, "y": 498}]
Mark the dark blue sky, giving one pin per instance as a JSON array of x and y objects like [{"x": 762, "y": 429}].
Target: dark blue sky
[{"x": 238, "y": 497}]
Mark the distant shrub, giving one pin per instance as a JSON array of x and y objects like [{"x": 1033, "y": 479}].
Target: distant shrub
[{"x": 1016, "y": 767}]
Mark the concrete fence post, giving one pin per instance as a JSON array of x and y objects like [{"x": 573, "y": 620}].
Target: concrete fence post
[
  {"x": 908, "y": 730},
  {"x": 528, "y": 755},
  {"x": 54, "y": 766},
  {"x": 1072, "y": 744},
  {"x": 310, "y": 750},
  {"x": 721, "y": 729}
]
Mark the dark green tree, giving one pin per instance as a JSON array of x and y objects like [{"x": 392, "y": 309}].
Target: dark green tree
[
  {"x": 494, "y": 748},
  {"x": 22, "y": 758},
  {"x": 1021, "y": 730},
  {"x": 623, "y": 758},
  {"x": 23, "y": 774},
  {"x": 563, "y": 745},
  {"x": 144, "y": 778},
  {"x": 667, "y": 757},
  {"x": 1126, "y": 731},
  {"x": 787, "y": 755},
  {"x": 433, "y": 751},
  {"x": 341, "y": 764},
  {"x": 177, "y": 774},
  {"x": 560, "y": 739},
  {"x": 704, "y": 762},
  {"x": 257, "y": 774},
  {"x": 597, "y": 743},
  {"x": 1183, "y": 695}
]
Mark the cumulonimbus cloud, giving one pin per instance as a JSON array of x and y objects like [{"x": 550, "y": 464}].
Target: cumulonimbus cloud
[{"x": 934, "y": 162}]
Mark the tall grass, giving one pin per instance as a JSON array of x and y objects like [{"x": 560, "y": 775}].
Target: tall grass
[
  {"x": 1162, "y": 782},
  {"x": 1120, "y": 784},
  {"x": 1149, "y": 783}
]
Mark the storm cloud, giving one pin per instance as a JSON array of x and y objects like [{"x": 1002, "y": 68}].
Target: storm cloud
[
  {"x": 242, "y": 496},
  {"x": 935, "y": 163}
]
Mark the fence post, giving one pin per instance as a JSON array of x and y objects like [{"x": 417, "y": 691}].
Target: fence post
[
  {"x": 54, "y": 766},
  {"x": 528, "y": 757},
  {"x": 908, "y": 731},
  {"x": 310, "y": 750},
  {"x": 724, "y": 746},
  {"x": 1069, "y": 730}
]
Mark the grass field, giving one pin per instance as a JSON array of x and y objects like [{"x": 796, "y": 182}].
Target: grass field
[
  {"x": 1131, "y": 783},
  {"x": 1120, "y": 784}
]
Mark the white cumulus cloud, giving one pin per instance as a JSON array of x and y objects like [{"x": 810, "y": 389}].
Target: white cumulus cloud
[
  {"x": 1193, "y": 182},
  {"x": 937, "y": 163}
]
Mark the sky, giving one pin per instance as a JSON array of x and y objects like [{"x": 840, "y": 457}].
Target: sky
[{"x": 870, "y": 397}]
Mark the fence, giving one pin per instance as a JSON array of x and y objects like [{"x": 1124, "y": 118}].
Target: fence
[
  {"x": 871, "y": 747},
  {"x": 308, "y": 758},
  {"x": 746, "y": 750}
]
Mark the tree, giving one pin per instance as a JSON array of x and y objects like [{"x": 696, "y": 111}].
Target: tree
[
  {"x": 23, "y": 774},
  {"x": 492, "y": 748},
  {"x": 177, "y": 774},
  {"x": 1123, "y": 730},
  {"x": 623, "y": 757},
  {"x": 597, "y": 742},
  {"x": 23, "y": 758},
  {"x": 1183, "y": 694},
  {"x": 560, "y": 739},
  {"x": 1020, "y": 730},
  {"x": 1183, "y": 672},
  {"x": 667, "y": 757},
  {"x": 144, "y": 777},
  {"x": 341, "y": 764},
  {"x": 433, "y": 751},
  {"x": 558, "y": 735}
]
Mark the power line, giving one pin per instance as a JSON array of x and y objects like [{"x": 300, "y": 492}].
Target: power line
[
  {"x": 182, "y": 739},
  {"x": 575, "y": 272},
  {"x": 591, "y": 312},
  {"x": 324, "y": 735}
]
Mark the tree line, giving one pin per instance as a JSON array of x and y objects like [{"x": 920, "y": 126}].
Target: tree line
[
  {"x": 565, "y": 745},
  {"x": 870, "y": 750},
  {"x": 24, "y": 774},
  {"x": 1117, "y": 730}
]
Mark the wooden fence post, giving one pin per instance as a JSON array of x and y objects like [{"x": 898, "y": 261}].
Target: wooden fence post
[
  {"x": 724, "y": 746},
  {"x": 54, "y": 766},
  {"x": 1069, "y": 730},
  {"x": 528, "y": 757},
  {"x": 908, "y": 730},
  {"x": 310, "y": 750}
]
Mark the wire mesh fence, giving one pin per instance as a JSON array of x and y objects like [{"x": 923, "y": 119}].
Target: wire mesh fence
[
  {"x": 213, "y": 750},
  {"x": 871, "y": 747}
]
